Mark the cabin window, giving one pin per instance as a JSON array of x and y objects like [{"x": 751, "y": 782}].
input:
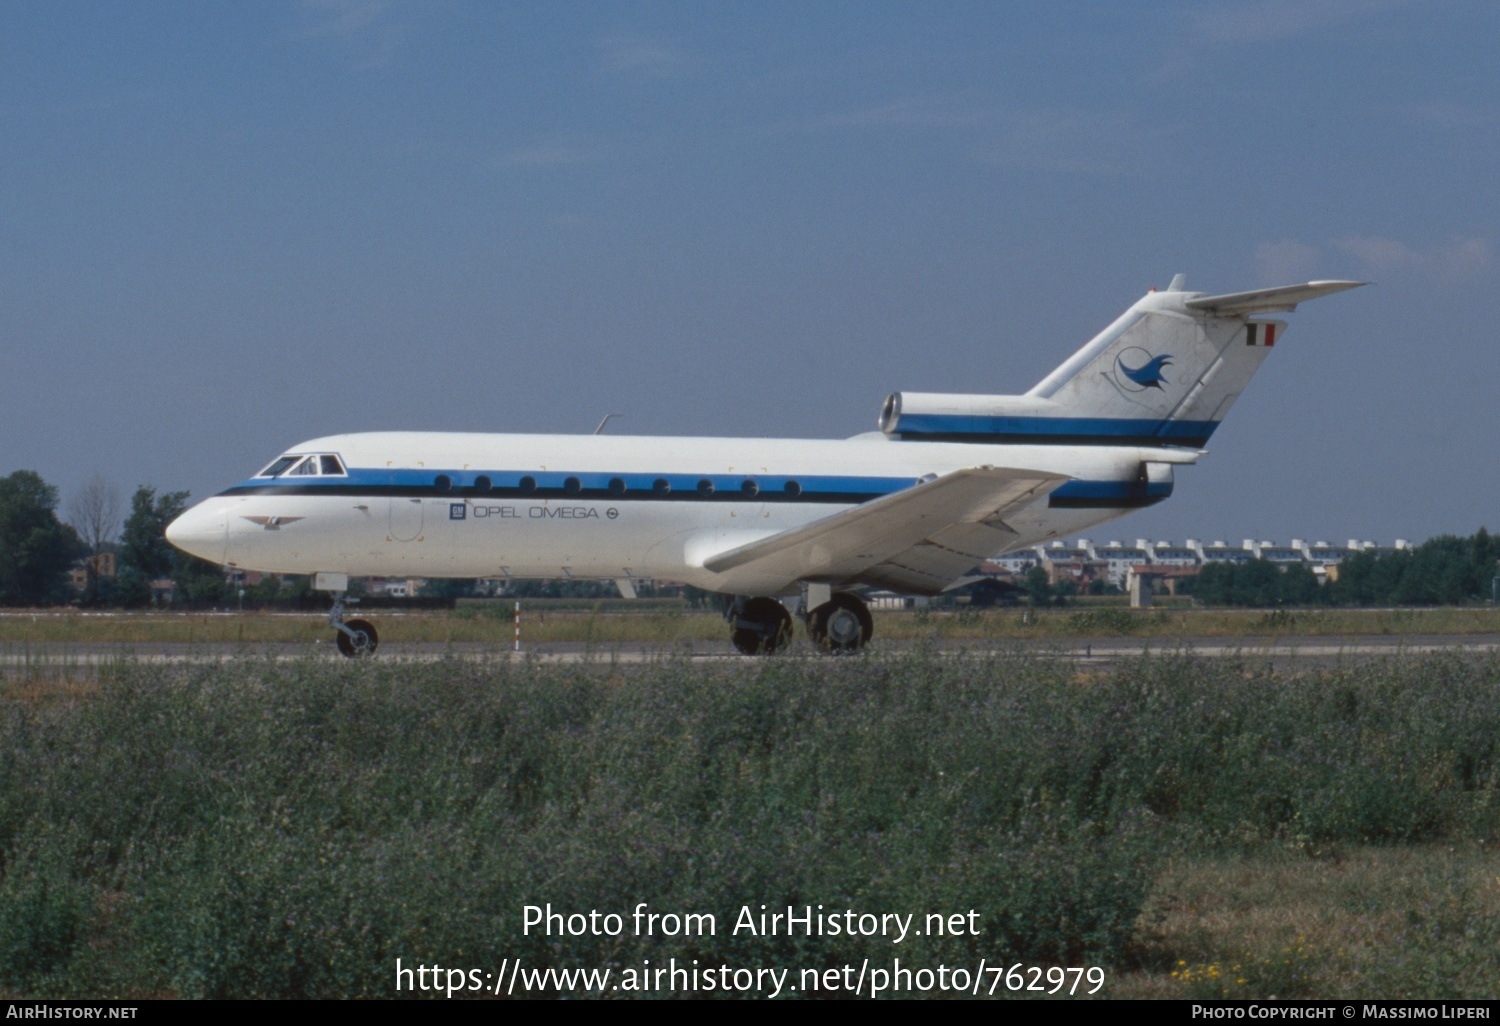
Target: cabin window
[
  {"x": 443, "y": 482},
  {"x": 617, "y": 486},
  {"x": 482, "y": 482},
  {"x": 661, "y": 486},
  {"x": 705, "y": 487},
  {"x": 527, "y": 484},
  {"x": 793, "y": 489},
  {"x": 572, "y": 486},
  {"x": 749, "y": 489}
]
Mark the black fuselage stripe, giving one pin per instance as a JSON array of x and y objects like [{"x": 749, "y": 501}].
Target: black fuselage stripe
[
  {"x": 1101, "y": 502},
  {"x": 1147, "y": 441}
]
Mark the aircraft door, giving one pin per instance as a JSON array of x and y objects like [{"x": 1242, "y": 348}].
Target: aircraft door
[{"x": 406, "y": 518}]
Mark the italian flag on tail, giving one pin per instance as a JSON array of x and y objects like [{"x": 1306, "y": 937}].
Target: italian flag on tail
[{"x": 1260, "y": 334}]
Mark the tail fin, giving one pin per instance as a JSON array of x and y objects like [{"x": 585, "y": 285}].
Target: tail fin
[{"x": 1164, "y": 373}]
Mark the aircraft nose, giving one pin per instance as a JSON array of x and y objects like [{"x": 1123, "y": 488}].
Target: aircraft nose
[{"x": 201, "y": 532}]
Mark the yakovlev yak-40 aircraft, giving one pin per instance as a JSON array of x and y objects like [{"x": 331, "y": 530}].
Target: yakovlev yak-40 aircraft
[{"x": 781, "y": 525}]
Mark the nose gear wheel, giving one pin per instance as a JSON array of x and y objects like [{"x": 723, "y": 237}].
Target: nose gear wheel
[{"x": 361, "y": 639}]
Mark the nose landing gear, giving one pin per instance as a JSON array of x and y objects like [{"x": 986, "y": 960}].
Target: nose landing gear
[{"x": 356, "y": 637}]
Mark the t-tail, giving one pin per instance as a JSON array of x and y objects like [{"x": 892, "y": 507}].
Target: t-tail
[{"x": 1164, "y": 373}]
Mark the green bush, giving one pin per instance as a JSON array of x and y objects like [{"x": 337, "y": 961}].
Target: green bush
[
  {"x": 1108, "y": 620},
  {"x": 45, "y": 914},
  {"x": 281, "y": 829}
]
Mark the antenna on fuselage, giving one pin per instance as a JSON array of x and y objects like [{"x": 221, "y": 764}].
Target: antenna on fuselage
[{"x": 600, "y": 429}]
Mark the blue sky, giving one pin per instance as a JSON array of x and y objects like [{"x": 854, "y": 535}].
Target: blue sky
[{"x": 229, "y": 227}]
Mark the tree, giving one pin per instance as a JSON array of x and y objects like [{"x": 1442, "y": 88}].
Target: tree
[
  {"x": 1257, "y": 583},
  {"x": 696, "y": 598},
  {"x": 1484, "y": 552},
  {"x": 36, "y": 550},
  {"x": 1299, "y": 586},
  {"x": 446, "y": 588},
  {"x": 146, "y": 555},
  {"x": 95, "y": 511},
  {"x": 1445, "y": 570},
  {"x": 1038, "y": 587},
  {"x": 143, "y": 543},
  {"x": 197, "y": 582}
]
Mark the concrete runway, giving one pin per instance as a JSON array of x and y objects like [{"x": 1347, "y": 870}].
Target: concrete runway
[{"x": 1284, "y": 652}]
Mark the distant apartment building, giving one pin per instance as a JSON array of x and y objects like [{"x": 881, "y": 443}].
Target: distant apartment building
[
  {"x": 1118, "y": 559},
  {"x": 1082, "y": 561}
]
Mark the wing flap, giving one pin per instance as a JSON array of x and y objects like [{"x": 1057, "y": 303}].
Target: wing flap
[
  {"x": 904, "y": 579},
  {"x": 925, "y": 535}
]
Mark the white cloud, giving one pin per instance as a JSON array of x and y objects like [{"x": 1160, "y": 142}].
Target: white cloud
[
  {"x": 363, "y": 27},
  {"x": 926, "y": 110},
  {"x": 640, "y": 56},
  {"x": 344, "y": 17},
  {"x": 1285, "y": 261},
  {"x": 1447, "y": 114},
  {"x": 1262, "y": 21},
  {"x": 547, "y": 153},
  {"x": 1455, "y": 261},
  {"x": 1078, "y": 141},
  {"x": 1240, "y": 23},
  {"x": 1056, "y": 139},
  {"x": 1379, "y": 253},
  {"x": 1378, "y": 257}
]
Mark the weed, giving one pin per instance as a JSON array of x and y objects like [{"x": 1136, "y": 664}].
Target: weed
[{"x": 289, "y": 828}]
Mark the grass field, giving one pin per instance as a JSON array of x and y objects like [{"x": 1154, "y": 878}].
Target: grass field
[
  {"x": 615, "y": 622},
  {"x": 1195, "y": 827},
  {"x": 1358, "y": 921}
]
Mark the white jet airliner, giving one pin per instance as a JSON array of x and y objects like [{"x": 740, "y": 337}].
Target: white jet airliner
[{"x": 779, "y": 524}]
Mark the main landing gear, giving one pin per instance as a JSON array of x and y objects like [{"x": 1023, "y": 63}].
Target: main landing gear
[
  {"x": 759, "y": 626},
  {"x": 762, "y": 626},
  {"x": 355, "y": 637},
  {"x": 842, "y": 624}
]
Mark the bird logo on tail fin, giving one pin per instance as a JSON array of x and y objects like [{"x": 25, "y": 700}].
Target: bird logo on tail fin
[{"x": 1147, "y": 375}]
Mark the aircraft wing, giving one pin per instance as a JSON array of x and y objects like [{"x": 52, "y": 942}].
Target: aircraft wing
[
  {"x": 1283, "y": 298},
  {"x": 916, "y": 541}
]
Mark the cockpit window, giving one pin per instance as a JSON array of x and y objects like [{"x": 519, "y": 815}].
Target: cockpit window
[
  {"x": 320, "y": 465},
  {"x": 279, "y": 466}
]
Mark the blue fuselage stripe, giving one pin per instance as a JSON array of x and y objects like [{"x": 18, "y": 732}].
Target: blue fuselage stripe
[
  {"x": 536, "y": 484},
  {"x": 1068, "y": 430},
  {"x": 605, "y": 486}
]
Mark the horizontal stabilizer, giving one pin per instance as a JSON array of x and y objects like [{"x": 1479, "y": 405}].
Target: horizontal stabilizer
[
  {"x": 922, "y": 537},
  {"x": 1283, "y": 298}
]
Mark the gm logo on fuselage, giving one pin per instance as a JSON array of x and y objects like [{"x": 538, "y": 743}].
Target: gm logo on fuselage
[{"x": 457, "y": 511}]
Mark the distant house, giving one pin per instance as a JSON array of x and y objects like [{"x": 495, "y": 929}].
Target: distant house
[{"x": 101, "y": 564}]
